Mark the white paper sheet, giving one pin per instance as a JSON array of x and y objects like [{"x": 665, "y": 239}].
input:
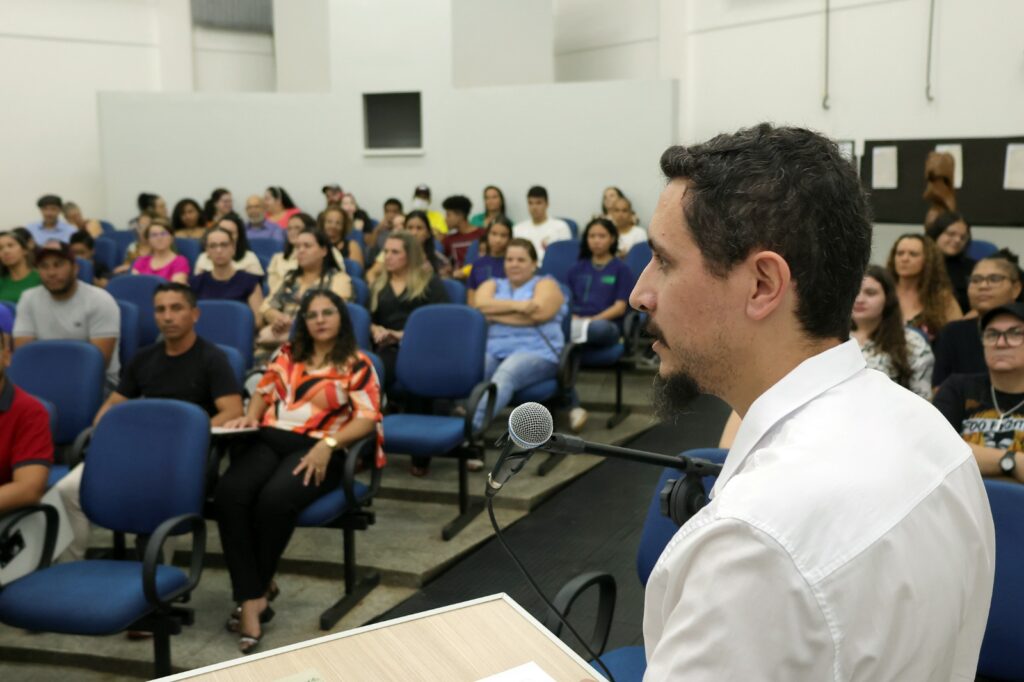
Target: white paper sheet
[
  {"x": 221, "y": 431},
  {"x": 957, "y": 152},
  {"x": 884, "y": 168},
  {"x": 528, "y": 672},
  {"x": 1013, "y": 175}
]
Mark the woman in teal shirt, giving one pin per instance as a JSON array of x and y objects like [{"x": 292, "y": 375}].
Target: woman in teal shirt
[{"x": 16, "y": 271}]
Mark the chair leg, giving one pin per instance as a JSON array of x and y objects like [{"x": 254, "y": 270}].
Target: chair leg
[
  {"x": 620, "y": 411},
  {"x": 355, "y": 589},
  {"x": 161, "y": 652},
  {"x": 120, "y": 552},
  {"x": 468, "y": 509}
]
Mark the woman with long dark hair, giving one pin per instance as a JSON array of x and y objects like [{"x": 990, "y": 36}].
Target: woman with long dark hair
[
  {"x": 952, "y": 234},
  {"x": 417, "y": 223},
  {"x": 16, "y": 271},
  {"x": 319, "y": 395},
  {"x": 187, "y": 219},
  {"x": 922, "y": 285},
  {"x": 494, "y": 206},
  {"x": 279, "y": 205},
  {"x": 337, "y": 225},
  {"x": 242, "y": 258},
  {"x": 900, "y": 353},
  {"x": 219, "y": 205},
  {"x": 491, "y": 261}
]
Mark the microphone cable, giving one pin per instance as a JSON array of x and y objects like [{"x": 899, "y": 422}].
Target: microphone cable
[{"x": 540, "y": 593}]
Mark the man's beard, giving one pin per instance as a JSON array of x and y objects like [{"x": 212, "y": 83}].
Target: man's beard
[
  {"x": 673, "y": 394},
  {"x": 62, "y": 290}
]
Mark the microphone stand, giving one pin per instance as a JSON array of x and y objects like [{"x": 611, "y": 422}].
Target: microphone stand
[{"x": 571, "y": 445}]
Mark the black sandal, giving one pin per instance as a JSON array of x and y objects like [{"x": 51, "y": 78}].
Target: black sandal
[
  {"x": 235, "y": 618},
  {"x": 247, "y": 643}
]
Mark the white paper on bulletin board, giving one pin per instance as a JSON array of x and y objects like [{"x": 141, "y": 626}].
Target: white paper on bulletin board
[
  {"x": 957, "y": 152},
  {"x": 1013, "y": 176},
  {"x": 883, "y": 168}
]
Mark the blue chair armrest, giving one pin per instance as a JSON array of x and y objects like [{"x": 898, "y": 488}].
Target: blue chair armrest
[
  {"x": 9, "y": 520},
  {"x": 568, "y": 595},
  {"x": 78, "y": 447},
  {"x": 363, "y": 449},
  {"x": 479, "y": 391},
  {"x": 568, "y": 366},
  {"x": 154, "y": 550}
]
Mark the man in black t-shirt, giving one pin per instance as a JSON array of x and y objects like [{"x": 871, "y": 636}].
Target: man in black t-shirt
[
  {"x": 988, "y": 409},
  {"x": 182, "y": 366}
]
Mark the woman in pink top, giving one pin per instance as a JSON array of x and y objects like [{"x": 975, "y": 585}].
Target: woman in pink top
[
  {"x": 162, "y": 261},
  {"x": 279, "y": 205}
]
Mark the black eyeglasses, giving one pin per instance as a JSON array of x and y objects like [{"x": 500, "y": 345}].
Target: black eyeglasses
[
  {"x": 1014, "y": 337},
  {"x": 991, "y": 279}
]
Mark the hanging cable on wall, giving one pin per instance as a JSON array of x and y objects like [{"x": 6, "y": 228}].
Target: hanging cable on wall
[
  {"x": 824, "y": 100},
  {"x": 931, "y": 35}
]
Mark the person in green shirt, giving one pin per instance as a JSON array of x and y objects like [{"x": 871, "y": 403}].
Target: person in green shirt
[
  {"x": 16, "y": 271},
  {"x": 494, "y": 206}
]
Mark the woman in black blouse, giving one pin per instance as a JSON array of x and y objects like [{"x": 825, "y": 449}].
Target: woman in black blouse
[{"x": 952, "y": 235}]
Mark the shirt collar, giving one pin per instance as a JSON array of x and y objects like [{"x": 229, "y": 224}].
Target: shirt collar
[
  {"x": 6, "y": 394},
  {"x": 807, "y": 381}
]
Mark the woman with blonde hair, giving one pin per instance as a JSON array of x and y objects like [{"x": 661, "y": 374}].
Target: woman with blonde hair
[{"x": 922, "y": 285}]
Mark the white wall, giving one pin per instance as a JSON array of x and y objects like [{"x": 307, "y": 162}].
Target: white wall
[
  {"x": 233, "y": 61},
  {"x": 511, "y": 136},
  {"x": 302, "y": 48},
  {"x": 606, "y": 39},
  {"x": 497, "y": 42}
]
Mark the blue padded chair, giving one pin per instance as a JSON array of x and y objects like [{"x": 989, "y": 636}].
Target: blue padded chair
[
  {"x": 455, "y": 289},
  {"x": 105, "y": 252},
  {"x": 57, "y": 471},
  {"x": 156, "y": 491},
  {"x": 979, "y": 248},
  {"x": 354, "y": 269},
  {"x": 138, "y": 289},
  {"x": 559, "y": 258},
  {"x": 573, "y": 227},
  {"x": 434, "y": 363},
  {"x": 235, "y": 360},
  {"x": 70, "y": 374},
  {"x": 7, "y": 319},
  {"x": 189, "y": 248},
  {"x": 359, "y": 237},
  {"x": 361, "y": 321},
  {"x": 12, "y": 307},
  {"x": 230, "y": 323},
  {"x": 628, "y": 664},
  {"x": 638, "y": 257},
  {"x": 85, "y": 270},
  {"x": 128, "y": 344},
  {"x": 361, "y": 291},
  {"x": 124, "y": 239},
  {"x": 1004, "y": 637},
  {"x": 107, "y": 227},
  {"x": 262, "y": 246}
]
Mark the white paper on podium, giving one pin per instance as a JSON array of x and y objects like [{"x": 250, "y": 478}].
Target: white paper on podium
[{"x": 528, "y": 672}]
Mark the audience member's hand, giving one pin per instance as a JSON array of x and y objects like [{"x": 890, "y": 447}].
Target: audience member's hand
[
  {"x": 245, "y": 422},
  {"x": 314, "y": 464},
  {"x": 528, "y": 307},
  {"x": 281, "y": 324},
  {"x": 378, "y": 333}
]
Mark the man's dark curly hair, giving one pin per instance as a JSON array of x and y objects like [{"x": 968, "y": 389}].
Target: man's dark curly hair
[{"x": 786, "y": 190}]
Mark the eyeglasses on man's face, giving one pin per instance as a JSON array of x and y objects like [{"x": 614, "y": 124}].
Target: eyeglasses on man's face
[{"x": 1014, "y": 337}]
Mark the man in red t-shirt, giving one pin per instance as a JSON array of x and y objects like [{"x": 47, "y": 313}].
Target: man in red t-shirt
[
  {"x": 26, "y": 447},
  {"x": 461, "y": 234}
]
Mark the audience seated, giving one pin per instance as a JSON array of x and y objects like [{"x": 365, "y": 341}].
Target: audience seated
[
  {"x": 65, "y": 308},
  {"x": 608, "y": 199},
  {"x": 283, "y": 263},
  {"x": 630, "y": 234},
  {"x": 540, "y": 229},
  {"x": 319, "y": 395},
  {"x": 279, "y": 206},
  {"x": 243, "y": 259},
  {"x": 952, "y": 235},
  {"x": 375, "y": 239},
  {"x": 524, "y": 338},
  {"x": 494, "y": 206},
  {"x": 337, "y": 225},
  {"x": 421, "y": 202},
  {"x": 150, "y": 206},
  {"x": 16, "y": 271},
  {"x": 136, "y": 249},
  {"x": 461, "y": 234},
  {"x": 897, "y": 351},
  {"x": 490, "y": 263},
  {"x": 397, "y": 225},
  {"x": 187, "y": 220},
  {"x": 162, "y": 260},
  {"x": 224, "y": 280},
  {"x": 83, "y": 246},
  {"x": 417, "y": 224},
  {"x": 182, "y": 366},
  {"x": 333, "y": 194},
  {"x": 988, "y": 408},
  {"x": 220, "y": 205},
  {"x": 359, "y": 218},
  {"x": 996, "y": 281},
  {"x": 257, "y": 225},
  {"x": 52, "y": 225},
  {"x": 926, "y": 297},
  {"x": 73, "y": 214},
  {"x": 316, "y": 268},
  {"x": 26, "y": 446},
  {"x": 406, "y": 283}
]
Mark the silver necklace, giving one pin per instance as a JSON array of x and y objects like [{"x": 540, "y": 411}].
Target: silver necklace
[{"x": 1002, "y": 415}]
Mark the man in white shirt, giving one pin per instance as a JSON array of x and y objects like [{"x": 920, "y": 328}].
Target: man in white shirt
[
  {"x": 52, "y": 227},
  {"x": 540, "y": 229},
  {"x": 849, "y": 535}
]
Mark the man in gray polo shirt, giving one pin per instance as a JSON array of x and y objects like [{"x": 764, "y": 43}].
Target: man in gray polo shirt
[{"x": 65, "y": 308}]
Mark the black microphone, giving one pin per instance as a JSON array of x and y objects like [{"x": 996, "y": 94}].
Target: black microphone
[{"x": 529, "y": 427}]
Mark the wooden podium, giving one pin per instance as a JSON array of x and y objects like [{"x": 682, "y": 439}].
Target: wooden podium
[{"x": 463, "y": 642}]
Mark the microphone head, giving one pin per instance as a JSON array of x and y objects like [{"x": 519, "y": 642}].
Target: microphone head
[{"x": 530, "y": 425}]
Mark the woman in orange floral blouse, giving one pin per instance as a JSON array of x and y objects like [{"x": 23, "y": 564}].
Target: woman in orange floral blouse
[{"x": 319, "y": 395}]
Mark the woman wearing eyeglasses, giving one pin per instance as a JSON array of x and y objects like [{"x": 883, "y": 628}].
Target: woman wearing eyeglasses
[
  {"x": 995, "y": 281},
  {"x": 319, "y": 395},
  {"x": 987, "y": 409}
]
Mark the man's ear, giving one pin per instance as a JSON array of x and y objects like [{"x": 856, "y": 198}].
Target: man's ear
[{"x": 771, "y": 281}]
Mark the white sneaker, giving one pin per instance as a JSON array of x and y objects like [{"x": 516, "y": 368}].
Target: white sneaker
[{"x": 577, "y": 419}]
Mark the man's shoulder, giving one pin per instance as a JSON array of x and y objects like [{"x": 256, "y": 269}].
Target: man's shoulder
[{"x": 24, "y": 405}]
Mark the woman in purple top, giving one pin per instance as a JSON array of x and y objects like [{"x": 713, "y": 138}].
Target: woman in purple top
[
  {"x": 490, "y": 264},
  {"x": 600, "y": 284},
  {"x": 224, "y": 281},
  {"x": 161, "y": 261}
]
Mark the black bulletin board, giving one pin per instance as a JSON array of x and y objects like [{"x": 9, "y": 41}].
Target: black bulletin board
[{"x": 981, "y": 199}]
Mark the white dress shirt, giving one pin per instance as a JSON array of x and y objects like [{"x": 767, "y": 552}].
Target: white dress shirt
[
  {"x": 551, "y": 230},
  {"x": 848, "y": 537}
]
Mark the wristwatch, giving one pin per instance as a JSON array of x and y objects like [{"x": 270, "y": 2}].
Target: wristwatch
[
  {"x": 1008, "y": 463},
  {"x": 331, "y": 443}
]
